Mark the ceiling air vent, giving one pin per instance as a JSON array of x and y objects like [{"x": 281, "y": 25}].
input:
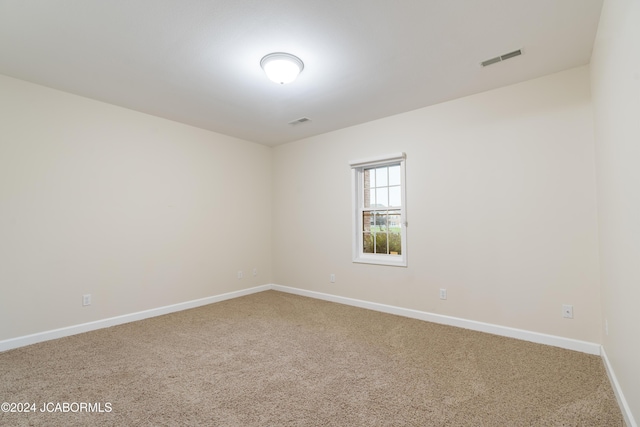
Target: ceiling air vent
[
  {"x": 300, "y": 120},
  {"x": 501, "y": 58}
]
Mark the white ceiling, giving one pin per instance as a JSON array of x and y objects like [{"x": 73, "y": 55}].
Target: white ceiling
[{"x": 198, "y": 61}]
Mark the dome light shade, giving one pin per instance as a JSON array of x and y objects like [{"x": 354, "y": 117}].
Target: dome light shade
[{"x": 281, "y": 67}]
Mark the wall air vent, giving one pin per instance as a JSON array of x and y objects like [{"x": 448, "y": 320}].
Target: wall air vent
[
  {"x": 300, "y": 120},
  {"x": 501, "y": 58}
]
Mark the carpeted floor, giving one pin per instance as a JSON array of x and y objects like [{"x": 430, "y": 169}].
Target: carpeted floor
[{"x": 275, "y": 359}]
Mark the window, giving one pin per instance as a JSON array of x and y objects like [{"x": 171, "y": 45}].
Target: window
[{"x": 379, "y": 216}]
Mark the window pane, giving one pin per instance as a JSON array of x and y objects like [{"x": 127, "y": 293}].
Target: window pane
[
  {"x": 374, "y": 222},
  {"x": 381, "y": 243},
  {"x": 369, "y": 178},
  {"x": 395, "y": 244},
  {"x": 382, "y": 197},
  {"x": 367, "y": 220},
  {"x": 394, "y": 222},
  {"x": 369, "y": 197},
  {"x": 367, "y": 243},
  {"x": 394, "y": 175},
  {"x": 380, "y": 222},
  {"x": 395, "y": 198},
  {"x": 381, "y": 176}
]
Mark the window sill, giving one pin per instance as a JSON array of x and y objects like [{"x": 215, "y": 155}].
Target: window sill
[{"x": 401, "y": 262}]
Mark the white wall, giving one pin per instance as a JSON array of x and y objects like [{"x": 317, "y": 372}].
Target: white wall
[
  {"x": 616, "y": 96},
  {"x": 138, "y": 211},
  {"x": 142, "y": 212},
  {"x": 501, "y": 209}
]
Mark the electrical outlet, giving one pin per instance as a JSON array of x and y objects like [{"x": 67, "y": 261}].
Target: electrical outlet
[
  {"x": 332, "y": 278},
  {"x": 86, "y": 300},
  {"x": 567, "y": 311},
  {"x": 240, "y": 275},
  {"x": 255, "y": 271},
  {"x": 443, "y": 294}
]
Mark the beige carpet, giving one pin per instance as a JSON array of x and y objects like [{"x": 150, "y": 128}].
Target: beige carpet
[{"x": 274, "y": 359}]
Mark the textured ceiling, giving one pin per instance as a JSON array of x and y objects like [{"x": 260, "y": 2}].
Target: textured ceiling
[{"x": 198, "y": 61}]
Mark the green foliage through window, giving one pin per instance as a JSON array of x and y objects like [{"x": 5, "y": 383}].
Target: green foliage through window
[{"x": 376, "y": 243}]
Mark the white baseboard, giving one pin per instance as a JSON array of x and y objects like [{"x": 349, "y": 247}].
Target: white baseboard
[
  {"x": 622, "y": 402},
  {"x": 118, "y": 320},
  {"x": 536, "y": 337},
  {"x": 567, "y": 343}
]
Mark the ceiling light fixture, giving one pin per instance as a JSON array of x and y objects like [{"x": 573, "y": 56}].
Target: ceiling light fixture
[{"x": 281, "y": 67}]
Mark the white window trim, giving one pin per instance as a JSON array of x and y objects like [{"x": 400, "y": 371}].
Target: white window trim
[{"x": 357, "y": 168}]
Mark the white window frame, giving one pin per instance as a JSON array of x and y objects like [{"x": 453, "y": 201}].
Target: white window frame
[{"x": 357, "y": 184}]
